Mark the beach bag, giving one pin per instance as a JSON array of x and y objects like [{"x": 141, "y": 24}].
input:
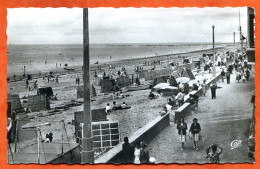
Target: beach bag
[
  {"x": 190, "y": 135},
  {"x": 200, "y": 137}
]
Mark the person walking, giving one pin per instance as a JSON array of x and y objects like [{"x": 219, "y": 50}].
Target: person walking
[
  {"x": 182, "y": 127},
  {"x": 194, "y": 131},
  {"x": 228, "y": 77},
  {"x": 204, "y": 88},
  {"x": 128, "y": 151},
  {"x": 223, "y": 75},
  {"x": 238, "y": 76},
  {"x": 27, "y": 83},
  {"x": 213, "y": 88},
  {"x": 214, "y": 154}
]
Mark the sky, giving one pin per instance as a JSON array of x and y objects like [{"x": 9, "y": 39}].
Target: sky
[{"x": 124, "y": 25}]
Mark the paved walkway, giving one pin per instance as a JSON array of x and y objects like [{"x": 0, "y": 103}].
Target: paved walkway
[{"x": 223, "y": 120}]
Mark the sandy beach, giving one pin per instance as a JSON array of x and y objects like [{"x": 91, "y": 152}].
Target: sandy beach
[{"x": 130, "y": 120}]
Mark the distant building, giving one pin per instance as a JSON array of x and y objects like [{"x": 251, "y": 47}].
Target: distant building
[{"x": 250, "y": 34}]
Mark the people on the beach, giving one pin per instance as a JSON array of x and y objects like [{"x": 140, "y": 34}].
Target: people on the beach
[
  {"x": 77, "y": 80},
  {"x": 27, "y": 83},
  {"x": 35, "y": 84},
  {"x": 123, "y": 105},
  {"x": 127, "y": 151},
  {"x": 182, "y": 127},
  {"x": 194, "y": 131},
  {"x": 151, "y": 95},
  {"x": 57, "y": 79},
  {"x": 108, "y": 108},
  {"x": 214, "y": 154}
]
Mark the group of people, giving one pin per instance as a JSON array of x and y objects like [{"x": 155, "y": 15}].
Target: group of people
[
  {"x": 115, "y": 107},
  {"x": 212, "y": 152},
  {"x": 137, "y": 155},
  {"x": 194, "y": 132}
]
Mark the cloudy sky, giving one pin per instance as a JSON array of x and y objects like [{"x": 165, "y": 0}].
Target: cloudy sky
[{"x": 123, "y": 25}]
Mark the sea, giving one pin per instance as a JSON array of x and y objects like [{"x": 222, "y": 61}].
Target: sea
[{"x": 35, "y": 58}]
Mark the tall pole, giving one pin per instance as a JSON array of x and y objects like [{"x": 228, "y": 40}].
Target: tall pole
[
  {"x": 234, "y": 46},
  {"x": 87, "y": 153},
  {"x": 213, "y": 38},
  {"x": 240, "y": 32}
]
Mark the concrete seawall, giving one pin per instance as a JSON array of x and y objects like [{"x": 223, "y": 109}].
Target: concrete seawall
[{"x": 185, "y": 108}]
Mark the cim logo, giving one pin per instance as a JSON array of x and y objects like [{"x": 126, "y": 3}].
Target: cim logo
[{"x": 236, "y": 143}]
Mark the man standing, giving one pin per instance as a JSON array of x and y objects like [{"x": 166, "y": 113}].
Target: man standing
[
  {"x": 213, "y": 88},
  {"x": 223, "y": 75},
  {"x": 128, "y": 152},
  {"x": 180, "y": 98},
  {"x": 194, "y": 130},
  {"x": 228, "y": 77}
]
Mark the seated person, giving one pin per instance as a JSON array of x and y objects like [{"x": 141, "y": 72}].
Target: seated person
[
  {"x": 123, "y": 105},
  {"x": 172, "y": 102},
  {"x": 108, "y": 108},
  {"x": 195, "y": 87},
  {"x": 151, "y": 95},
  {"x": 115, "y": 106},
  {"x": 194, "y": 98},
  {"x": 164, "y": 111},
  {"x": 120, "y": 95}
]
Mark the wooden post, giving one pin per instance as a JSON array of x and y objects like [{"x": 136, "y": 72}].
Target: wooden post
[{"x": 87, "y": 153}]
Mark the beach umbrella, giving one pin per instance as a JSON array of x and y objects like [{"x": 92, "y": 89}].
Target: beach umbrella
[
  {"x": 168, "y": 89},
  {"x": 182, "y": 79},
  {"x": 160, "y": 85}
]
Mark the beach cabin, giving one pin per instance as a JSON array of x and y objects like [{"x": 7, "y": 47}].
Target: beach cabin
[{"x": 45, "y": 91}]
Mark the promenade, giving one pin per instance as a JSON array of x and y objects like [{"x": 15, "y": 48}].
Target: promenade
[{"x": 223, "y": 120}]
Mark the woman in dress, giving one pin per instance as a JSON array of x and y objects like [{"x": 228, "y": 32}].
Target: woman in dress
[
  {"x": 137, "y": 153},
  {"x": 204, "y": 88},
  {"x": 182, "y": 127}
]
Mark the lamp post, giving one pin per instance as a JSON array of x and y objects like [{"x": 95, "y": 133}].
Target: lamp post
[
  {"x": 87, "y": 153},
  {"x": 234, "y": 46},
  {"x": 213, "y": 37}
]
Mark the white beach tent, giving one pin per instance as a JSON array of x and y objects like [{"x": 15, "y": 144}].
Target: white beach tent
[
  {"x": 159, "y": 86},
  {"x": 182, "y": 79}
]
